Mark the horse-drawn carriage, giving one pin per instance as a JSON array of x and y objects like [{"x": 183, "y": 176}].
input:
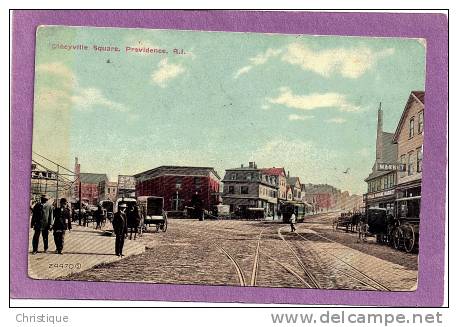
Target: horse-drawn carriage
[
  {"x": 152, "y": 211},
  {"x": 399, "y": 229},
  {"x": 348, "y": 220}
]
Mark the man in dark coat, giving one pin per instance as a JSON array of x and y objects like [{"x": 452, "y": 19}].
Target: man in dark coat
[
  {"x": 62, "y": 222},
  {"x": 42, "y": 220},
  {"x": 196, "y": 202},
  {"x": 120, "y": 228},
  {"x": 99, "y": 217}
]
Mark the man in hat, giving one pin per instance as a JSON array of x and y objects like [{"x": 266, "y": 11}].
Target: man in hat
[
  {"x": 42, "y": 220},
  {"x": 62, "y": 222},
  {"x": 120, "y": 228}
]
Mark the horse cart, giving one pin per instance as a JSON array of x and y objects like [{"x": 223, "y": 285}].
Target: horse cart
[
  {"x": 152, "y": 211},
  {"x": 399, "y": 229}
]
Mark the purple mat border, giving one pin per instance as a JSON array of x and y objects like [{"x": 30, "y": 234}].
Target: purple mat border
[{"x": 432, "y": 27}]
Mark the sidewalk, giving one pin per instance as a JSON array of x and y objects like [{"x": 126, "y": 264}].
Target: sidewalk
[{"x": 84, "y": 247}]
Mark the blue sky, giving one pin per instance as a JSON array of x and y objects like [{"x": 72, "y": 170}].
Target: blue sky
[{"x": 308, "y": 103}]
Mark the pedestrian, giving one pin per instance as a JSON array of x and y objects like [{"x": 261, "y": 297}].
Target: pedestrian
[
  {"x": 99, "y": 217},
  {"x": 42, "y": 220},
  {"x": 120, "y": 228},
  {"x": 292, "y": 221},
  {"x": 133, "y": 220},
  {"x": 62, "y": 222}
]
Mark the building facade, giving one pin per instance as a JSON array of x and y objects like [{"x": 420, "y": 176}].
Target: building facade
[
  {"x": 250, "y": 187},
  {"x": 295, "y": 188},
  {"x": 381, "y": 182},
  {"x": 178, "y": 184},
  {"x": 279, "y": 175},
  {"x": 90, "y": 187},
  {"x": 108, "y": 190},
  {"x": 409, "y": 139}
]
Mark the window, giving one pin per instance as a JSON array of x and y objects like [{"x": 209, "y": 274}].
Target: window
[
  {"x": 403, "y": 162},
  {"x": 197, "y": 183},
  {"x": 244, "y": 189},
  {"x": 178, "y": 182},
  {"x": 231, "y": 189},
  {"x": 420, "y": 122},
  {"x": 249, "y": 176},
  {"x": 419, "y": 159},
  {"x": 410, "y": 164},
  {"x": 411, "y": 127},
  {"x": 233, "y": 176}
]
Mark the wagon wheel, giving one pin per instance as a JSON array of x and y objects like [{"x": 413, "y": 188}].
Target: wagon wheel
[
  {"x": 158, "y": 227},
  {"x": 409, "y": 238},
  {"x": 397, "y": 235}
]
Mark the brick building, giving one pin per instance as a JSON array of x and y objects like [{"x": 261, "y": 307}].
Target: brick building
[
  {"x": 250, "y": 187},
  {"x": 89, "y": 185},
  {"x": 177, "y": 185}
]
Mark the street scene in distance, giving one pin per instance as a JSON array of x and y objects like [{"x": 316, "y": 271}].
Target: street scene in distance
[{"x": 216, "y": 158}]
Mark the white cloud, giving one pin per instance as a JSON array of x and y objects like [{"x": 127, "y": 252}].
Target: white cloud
[
  {"x": 66, "y": 91},
  {"x": 242, "y": 71},
  {"x": 65, "y": 76},
  {"x": 259, "y": 59},
  {"x": 336, "y": 120},
  {"x": 294, "y": 117},
  {"x": 88, "y": 98},
  {"x": 166, "y": 72},
  {"x": 313, "y": 101},
  {"x": 350, "y": 63}
]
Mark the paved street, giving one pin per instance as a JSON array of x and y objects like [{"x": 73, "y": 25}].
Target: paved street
[
  {"x": 84, "y": 248},
  {"x": 262, "y": 253}
]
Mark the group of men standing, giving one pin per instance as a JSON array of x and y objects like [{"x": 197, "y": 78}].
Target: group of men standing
[{"x": 45, "y": 218}]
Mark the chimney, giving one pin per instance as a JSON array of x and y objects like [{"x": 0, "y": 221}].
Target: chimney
[
  {"x": 251, "y": 164},
  {"x": 379, "y": 142},
  {"x": 288, "y": 174},
  {"x": 241, "y": 166}
]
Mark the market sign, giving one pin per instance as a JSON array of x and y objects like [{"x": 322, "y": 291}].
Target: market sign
[{"x": 390, "y": 167}]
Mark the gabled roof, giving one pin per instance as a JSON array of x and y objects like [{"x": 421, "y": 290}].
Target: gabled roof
[
  {"x": 91, "y": 178},
  {"x": 274, "y": 171},
  {"x": 293, "y": 180},
  {"x": 418, "y": 96}
]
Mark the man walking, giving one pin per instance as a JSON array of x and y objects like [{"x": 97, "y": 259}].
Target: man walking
[
  {"x": 42, "y": 220},
  {"x": 62, "y": 222},
  {"x": 99, "y": 217},
  {"x": 292, "y": 221},
  {"x": 120, "y": 228}
]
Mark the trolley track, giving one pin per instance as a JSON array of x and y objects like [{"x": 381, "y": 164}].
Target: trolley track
[
  {"x": 376, "y": 285},
  {"x": 313, "y": 281}
]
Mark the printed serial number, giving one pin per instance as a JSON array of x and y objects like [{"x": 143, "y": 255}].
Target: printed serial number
[{"x": 65, "y": 265}]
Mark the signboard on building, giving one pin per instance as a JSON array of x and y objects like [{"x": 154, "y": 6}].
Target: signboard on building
[
  {"x": 390, "y": 167},
  {"x": 126, "y": 182}
]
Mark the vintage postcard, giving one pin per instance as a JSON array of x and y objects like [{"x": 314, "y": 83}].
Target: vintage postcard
[{"x": 227, "y": 158}]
